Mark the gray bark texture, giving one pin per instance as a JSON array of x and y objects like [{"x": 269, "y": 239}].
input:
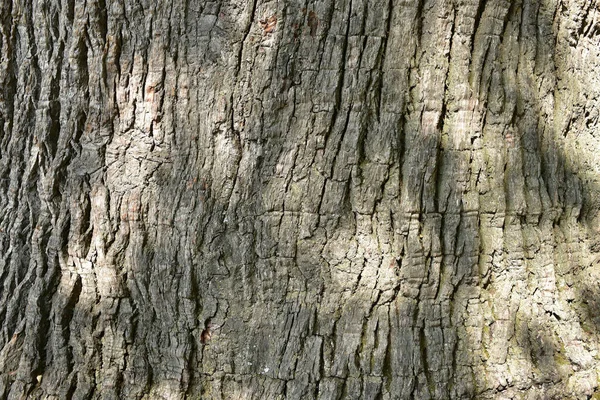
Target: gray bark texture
[{"x": 332, "y": 199}]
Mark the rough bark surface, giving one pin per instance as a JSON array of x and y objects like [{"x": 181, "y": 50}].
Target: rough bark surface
[{"x": 334, "y": 199}]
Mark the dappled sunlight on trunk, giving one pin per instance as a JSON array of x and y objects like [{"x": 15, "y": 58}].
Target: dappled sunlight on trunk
[{"x": 260, "y": 200}]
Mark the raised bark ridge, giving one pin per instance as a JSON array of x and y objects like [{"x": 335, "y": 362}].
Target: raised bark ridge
[{"x": 319, "y": 200}]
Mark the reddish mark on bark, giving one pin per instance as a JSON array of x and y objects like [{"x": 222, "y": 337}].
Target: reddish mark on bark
[
  {"x": 313, "y": 23},
  {"x": 13, "y": 340},
  {"x": 509, "y": 137},
  {"x": 150, "y": 92},
  {"x": 268, "y": 24},
  {"x": 191, "y": 183},
  {"x": 297, "y": 30},
  {"x": 205, "y": 335}
]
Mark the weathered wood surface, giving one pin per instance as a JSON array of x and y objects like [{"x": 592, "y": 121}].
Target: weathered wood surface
[{"x": 336, "y": 199}]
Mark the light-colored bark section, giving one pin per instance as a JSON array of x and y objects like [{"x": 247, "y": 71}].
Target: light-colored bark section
[{"x": 299, "y": 200}]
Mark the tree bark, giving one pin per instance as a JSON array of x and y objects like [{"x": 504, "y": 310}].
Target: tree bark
[{"x": 342, "y": 199}]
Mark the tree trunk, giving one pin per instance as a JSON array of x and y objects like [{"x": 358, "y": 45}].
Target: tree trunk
[{"x": 342, "y": 199}]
